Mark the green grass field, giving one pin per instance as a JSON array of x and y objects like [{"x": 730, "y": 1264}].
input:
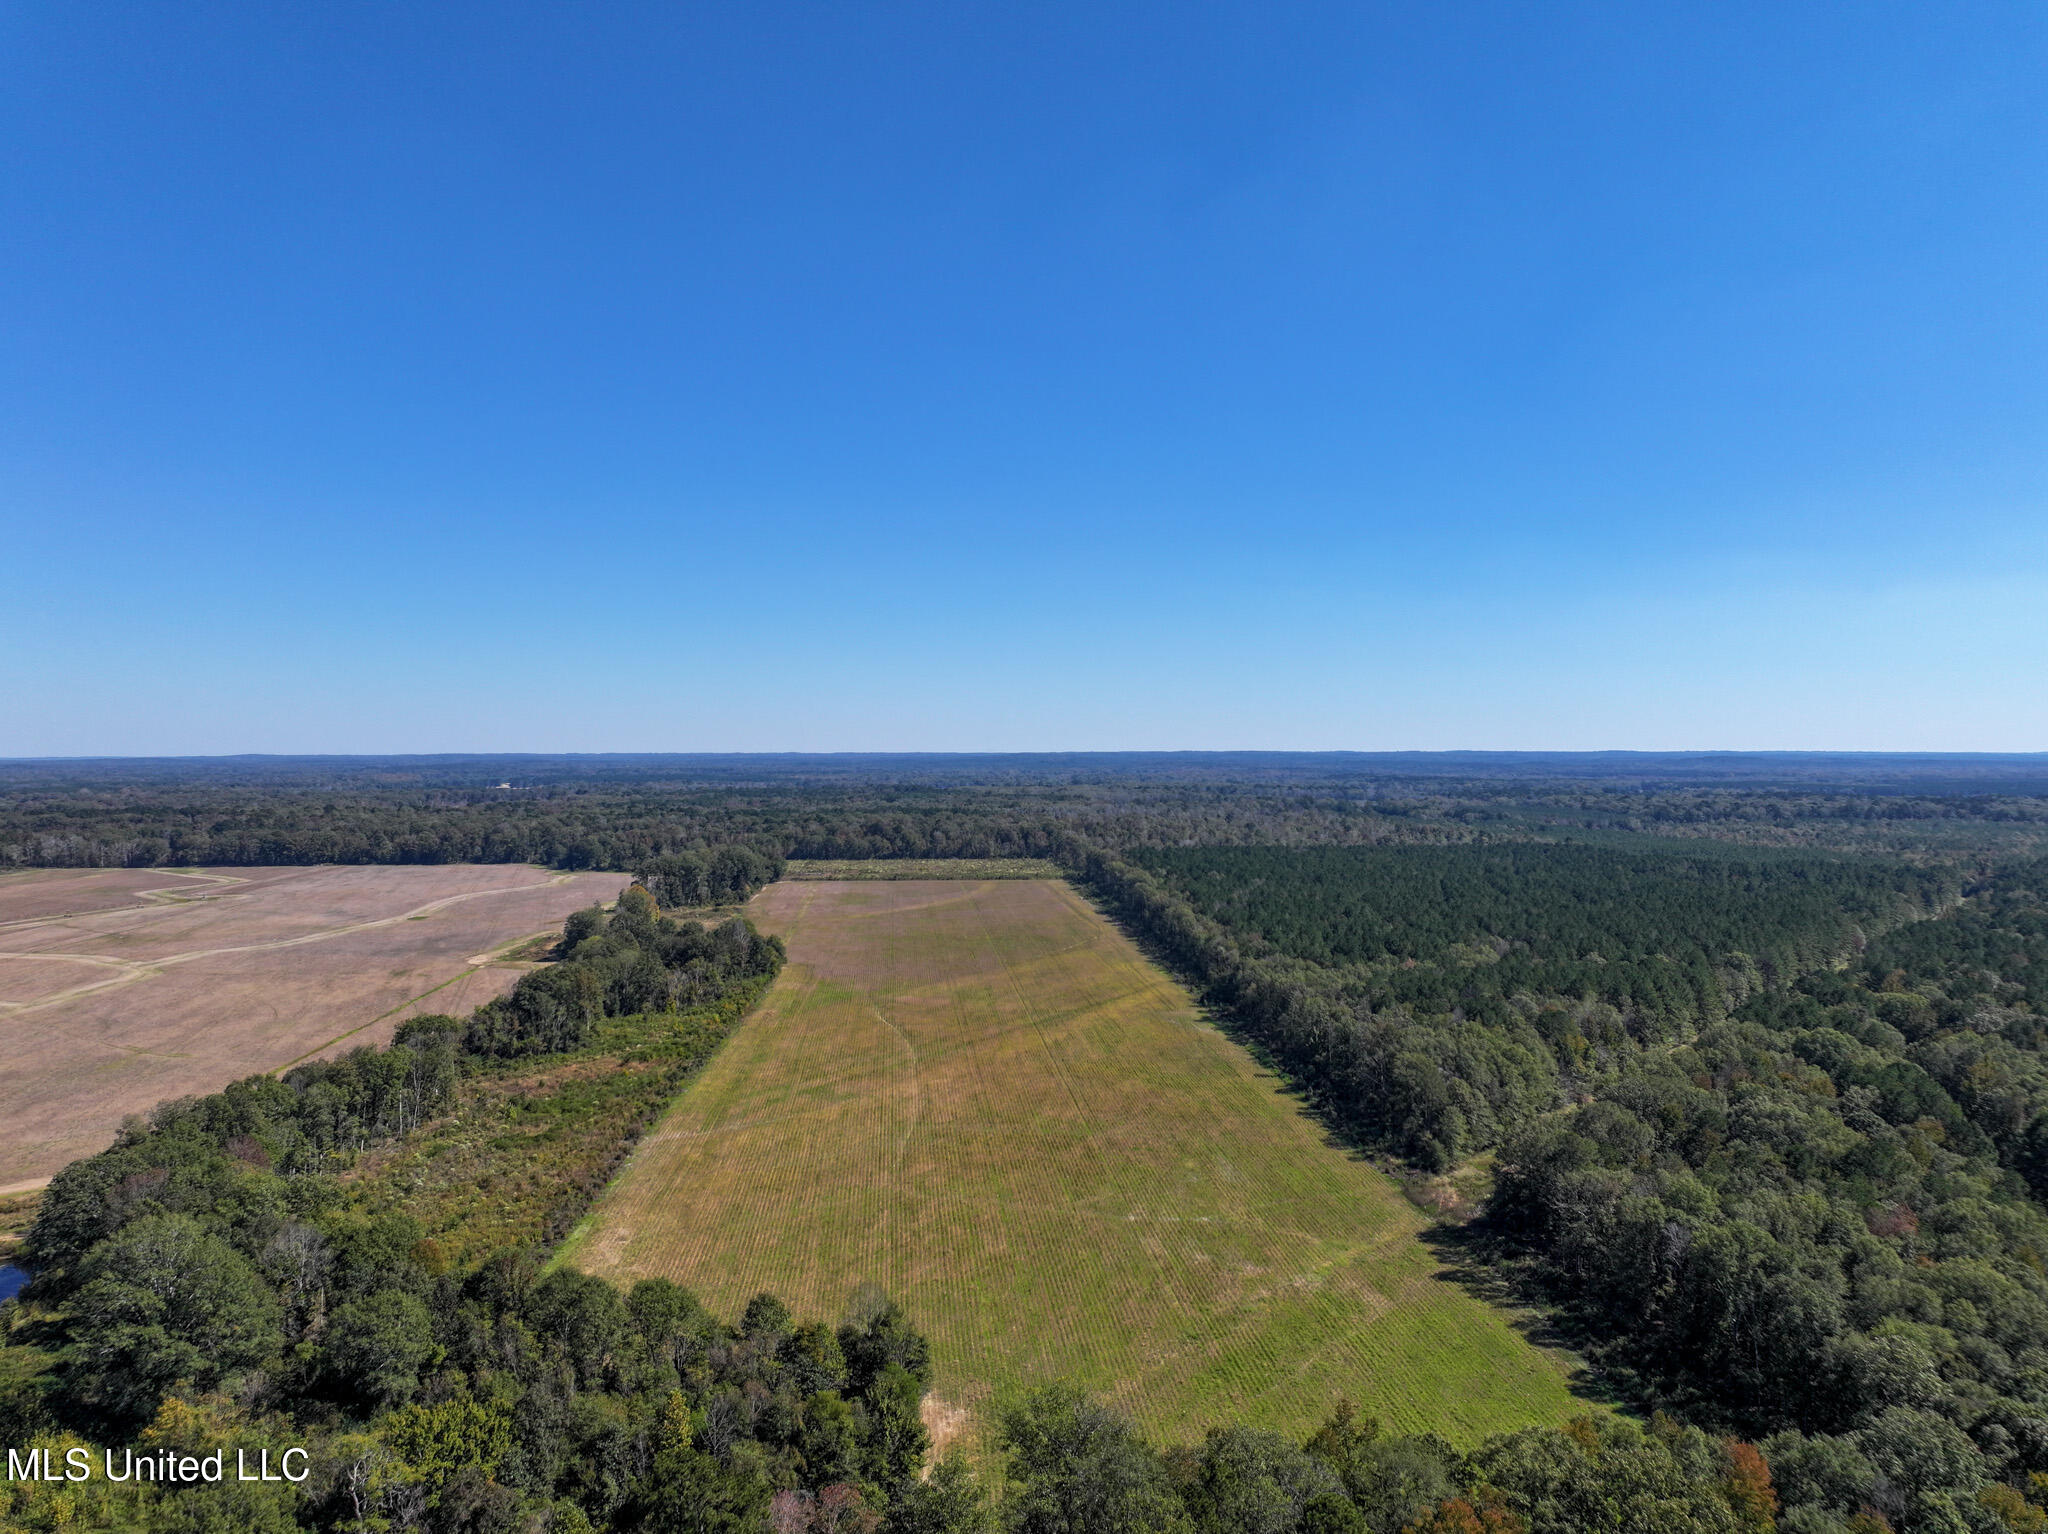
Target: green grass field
[{"x": 980, "y": 1096}]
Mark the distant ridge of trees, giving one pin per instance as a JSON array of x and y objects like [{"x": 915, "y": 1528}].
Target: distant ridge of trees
[{"x": 624, "y": 812}]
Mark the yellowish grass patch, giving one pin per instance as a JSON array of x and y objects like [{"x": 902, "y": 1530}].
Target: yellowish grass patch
[{"x": 981, "y": 1096}]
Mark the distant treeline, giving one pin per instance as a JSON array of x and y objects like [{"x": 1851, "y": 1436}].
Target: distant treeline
[
  {"x": 1890, "y": 774},
  {"x": 628, "y": 830},
  {"x": 622, "y": 815}
]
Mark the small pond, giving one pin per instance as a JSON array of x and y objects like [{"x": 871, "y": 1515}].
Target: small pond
[{"x": 12, "y": 1280}]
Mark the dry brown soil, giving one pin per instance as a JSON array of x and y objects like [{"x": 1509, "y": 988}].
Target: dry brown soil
[{"x": 122, "y": 987}]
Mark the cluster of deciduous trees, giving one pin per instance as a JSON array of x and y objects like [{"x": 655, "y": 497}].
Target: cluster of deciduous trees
[
  {"x": 503, "y": 1399},
  {"x": 1076, "y": 1465},
  {"x": 1816, "y": 1219},
  {"x": 633, "y": 960},
  {"x": 709, "y": 878}
]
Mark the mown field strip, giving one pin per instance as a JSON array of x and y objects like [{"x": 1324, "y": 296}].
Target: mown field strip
[{"x": 979, "y": 1095}]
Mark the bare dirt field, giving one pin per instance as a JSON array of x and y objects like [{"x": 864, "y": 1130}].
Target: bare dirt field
[
  {"x": 981, "y": 1096},
  {"x": 122, "y": 987}
]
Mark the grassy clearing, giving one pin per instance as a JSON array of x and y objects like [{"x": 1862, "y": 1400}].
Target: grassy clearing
[
  {"x": 981, "y": 1096},
  {"x": 528, "y": 1147},
  {"x": 841, "y": 869}
]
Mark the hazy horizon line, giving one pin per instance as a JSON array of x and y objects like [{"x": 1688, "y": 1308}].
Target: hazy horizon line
[{"x": 1098, "y": 751}]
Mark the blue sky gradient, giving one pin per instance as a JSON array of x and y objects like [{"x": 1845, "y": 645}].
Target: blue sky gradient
[{"x": 387, "y": 377}]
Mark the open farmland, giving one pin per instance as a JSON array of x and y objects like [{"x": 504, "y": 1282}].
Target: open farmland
[
  {"x": 122, "y": 987},
  {"x": 981, "y": 1096}
]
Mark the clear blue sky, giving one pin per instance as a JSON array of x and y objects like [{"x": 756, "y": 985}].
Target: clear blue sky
[{"x": 972, "y": 376}]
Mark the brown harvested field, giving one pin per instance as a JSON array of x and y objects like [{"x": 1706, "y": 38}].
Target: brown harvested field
[
  {"x": 42, "y": 891},
  {"x": 122, "y": 987},
  {"x": 981, "y": 1096}
]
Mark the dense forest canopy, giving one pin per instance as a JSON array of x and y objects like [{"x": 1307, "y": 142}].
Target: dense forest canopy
[
  {"x": 1938, "y": 773},
  {"x": 1434, "y": 997},
  {"x": 1823, "y": 1217},
  {"x": 619, "y": 812},
  {"x": 1545, "y": 917},
  {"x": 1805, "y": 1208}
]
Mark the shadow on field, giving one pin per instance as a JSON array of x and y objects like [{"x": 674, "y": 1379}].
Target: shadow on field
[
  {"x": 1334, "y": 1135},
  {"x": 1475, "y": 1259}
]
